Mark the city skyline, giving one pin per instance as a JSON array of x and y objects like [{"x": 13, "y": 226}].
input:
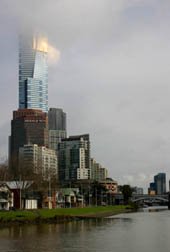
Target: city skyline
[{"x": 112, "y": 79}]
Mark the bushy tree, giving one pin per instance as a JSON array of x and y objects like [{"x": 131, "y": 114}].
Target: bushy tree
[
  {"x": 4, "y": 174},
  {"x": 127, "y": 192}
]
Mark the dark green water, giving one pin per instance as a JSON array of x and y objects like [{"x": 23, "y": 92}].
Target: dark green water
[{"x": 135, "y": 232}]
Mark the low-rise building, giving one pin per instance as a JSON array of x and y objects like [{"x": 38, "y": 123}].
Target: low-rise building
[
  {"x": 137, "y": 190},
  {"x": 69, "y": 197},
  {"x": 110, "y": 184},
  {"x": 6, "y": 197},
  {"x": 22, "y": 195}
]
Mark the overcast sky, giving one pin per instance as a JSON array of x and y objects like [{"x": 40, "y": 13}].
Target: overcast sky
[{"x": 112, "y": 79}]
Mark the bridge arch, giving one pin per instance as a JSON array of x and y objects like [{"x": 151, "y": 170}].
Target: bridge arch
[{"x": 151, "y": 198}]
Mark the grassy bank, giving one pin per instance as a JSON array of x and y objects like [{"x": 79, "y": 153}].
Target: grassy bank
[{"x": 58, "y": 215}]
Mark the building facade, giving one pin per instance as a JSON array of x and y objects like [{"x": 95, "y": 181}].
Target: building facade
[
  {"x": 137, "y": 190},
  {"x": 56, "y": 119},
  {"x": 57, "y": 127},
  {"x": 33, "y": 73},
  {"x": 28, "y": 126},
  {"x": 110, "y": 185},
  {"x": 152, "y": 188},
  {"x": 38, "y": 160},
  {"x": 98, "y": 172},
  {"x": 6, "y": 197},
  {"x": 74, "y": 158},
  {"x": 48, "y": 162},
  {"x": 55, "y": 137},
  {"x": 160, "y": 183}
]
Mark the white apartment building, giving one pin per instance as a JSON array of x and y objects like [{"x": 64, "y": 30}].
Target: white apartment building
[
  {"x": 48, "y": 162},
  {"x": 39, "y": 160},
  {"x": 98, "y": 172}
]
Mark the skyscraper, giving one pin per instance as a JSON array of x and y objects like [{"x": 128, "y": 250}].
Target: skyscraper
[
  {"x": 29, "y": 126},
  {"x": 74, "y": 158},
  {"x": 56, "y": 126},
  {"x": 56, "y": 119},
  {"x": 160, "y": 183},
  {"x": 33, "y": 73}
]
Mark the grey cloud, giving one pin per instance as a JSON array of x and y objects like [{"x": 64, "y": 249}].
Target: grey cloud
[{"x": 112, "y": 78}]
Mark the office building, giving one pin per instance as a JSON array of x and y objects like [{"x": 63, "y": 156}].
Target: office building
[
  {"x": 55, "y": 137},
  {"x": 74, "y": 158},
  {"x": 33, "y": 73},
  {"x": 56, "y": 119},
  {"x": 28, "y": 126},
  {"x": 56, "y": 126},
  {"x": 160, "y": 183}
]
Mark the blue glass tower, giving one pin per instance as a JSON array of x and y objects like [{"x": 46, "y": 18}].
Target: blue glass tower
[
  {"x": 160, "y": 183},
  {"x": 33, "y": 73}
]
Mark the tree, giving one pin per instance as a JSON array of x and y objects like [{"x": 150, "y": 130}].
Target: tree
[
  {"x": 98, "y": 193},
  {"x": 127, "y": 192},
  {"x": 4, "y": 175}
]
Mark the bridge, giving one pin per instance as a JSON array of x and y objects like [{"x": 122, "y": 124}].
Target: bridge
[{"x": 150, "y": 199}]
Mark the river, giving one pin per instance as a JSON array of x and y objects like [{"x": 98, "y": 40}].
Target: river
[{"x": 133, "y": 232}]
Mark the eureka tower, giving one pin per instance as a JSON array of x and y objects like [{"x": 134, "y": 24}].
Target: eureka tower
[{"x": 33, "y": 73}]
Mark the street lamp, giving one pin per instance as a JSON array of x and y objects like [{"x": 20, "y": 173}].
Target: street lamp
[
  {"x": 49, "y": 193},
  {"x": 96, "y": 195}
]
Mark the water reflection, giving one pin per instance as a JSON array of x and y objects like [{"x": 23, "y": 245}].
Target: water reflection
[
  {"x": 129, "y": 232},
  {"x": 17, "y": 232},
  {"x": 49, "y": 237}
]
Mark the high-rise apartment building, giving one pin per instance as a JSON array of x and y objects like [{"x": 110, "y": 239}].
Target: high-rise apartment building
[
  {"x": 74, "y": 158},
  {"x": 28, "y": 126},
  {"x": 56, "y": 126},
  {"x": 33, "y": 73},
  {"x": 98, "y": 172},
  {"x": 38, "y": 160}
]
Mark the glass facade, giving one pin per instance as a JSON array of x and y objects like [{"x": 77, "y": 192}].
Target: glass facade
[
  {"x": 56, "y": 119},
  {"x": 33, "y": 73},
  {"x": 160, "y": 183},
  {"x": 74, "y": 158}
]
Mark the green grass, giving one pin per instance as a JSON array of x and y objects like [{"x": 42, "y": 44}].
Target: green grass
[
  {"x": 17, "y": 215},
  {"x": 45, "y": 214},
  {"x": 85, "y": 211}
]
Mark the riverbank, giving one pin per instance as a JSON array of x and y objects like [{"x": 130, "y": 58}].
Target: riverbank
[{"x": 58, "y": 215}]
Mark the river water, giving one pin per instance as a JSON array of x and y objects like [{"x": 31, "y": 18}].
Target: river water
[{"x": 133, "y": 232}]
